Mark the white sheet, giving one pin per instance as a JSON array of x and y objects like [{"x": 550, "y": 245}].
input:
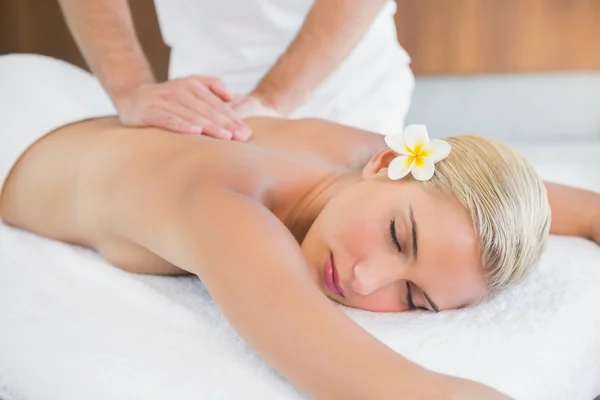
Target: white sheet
[{"x": 39, "y": 94}]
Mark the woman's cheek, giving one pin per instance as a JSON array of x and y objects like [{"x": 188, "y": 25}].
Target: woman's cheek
[{"x": 363, "y": 235}]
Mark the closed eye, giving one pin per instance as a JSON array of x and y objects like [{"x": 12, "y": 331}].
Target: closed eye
[
  {"x": 409, "y": 299},
  {"x": 393, "y": 234}
]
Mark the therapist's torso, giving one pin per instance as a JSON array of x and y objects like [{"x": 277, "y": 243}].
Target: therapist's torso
[{"x": 240, "y": 40}]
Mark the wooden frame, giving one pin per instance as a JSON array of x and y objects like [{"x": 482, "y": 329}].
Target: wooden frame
[
  {"x": 442, "y": 36},
  {"x": 500, "y": 36}
]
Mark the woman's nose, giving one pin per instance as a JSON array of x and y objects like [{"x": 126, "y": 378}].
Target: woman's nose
[{"x": 369, "y": 277}]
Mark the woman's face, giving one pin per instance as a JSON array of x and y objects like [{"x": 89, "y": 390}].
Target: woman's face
[{"x": 383, "y": 245}]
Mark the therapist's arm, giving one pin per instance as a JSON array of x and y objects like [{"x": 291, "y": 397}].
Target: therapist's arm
[
  {"x": 105, "y": 34},
  {"x": 330, "y": 32}
]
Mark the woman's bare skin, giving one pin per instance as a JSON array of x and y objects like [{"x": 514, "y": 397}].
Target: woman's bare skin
[
  {"x": 101, "y": 155},
  {"x": 233, "y": 213}
]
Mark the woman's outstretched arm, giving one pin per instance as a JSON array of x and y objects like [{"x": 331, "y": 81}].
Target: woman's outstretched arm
[
  {"x": 575, "y": 212},
  {"x": 256, "y": 273}
]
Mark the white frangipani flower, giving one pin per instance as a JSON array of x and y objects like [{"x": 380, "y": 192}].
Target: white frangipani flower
[{"x": 416, "y": 153}]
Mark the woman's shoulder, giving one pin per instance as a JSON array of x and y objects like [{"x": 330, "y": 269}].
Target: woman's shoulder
[
  {"x": 317, "y": 140},
  {"x": 250, "y": 169},
  {"x": 279, "y": 151}
]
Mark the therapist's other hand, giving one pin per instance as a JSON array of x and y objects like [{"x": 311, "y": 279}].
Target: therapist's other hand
[
  {"x": 252, "y": 106},
  {"x": 191, "y": 105}
]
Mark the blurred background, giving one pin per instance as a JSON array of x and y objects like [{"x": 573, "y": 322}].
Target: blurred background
[{"x": 519, "y": 70}]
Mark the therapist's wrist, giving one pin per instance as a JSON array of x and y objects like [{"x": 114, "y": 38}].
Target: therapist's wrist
[
  {"x": 270, "y": 100},
  {"x": 121, "y": 94},
  {"x": 284, "y": 102}
]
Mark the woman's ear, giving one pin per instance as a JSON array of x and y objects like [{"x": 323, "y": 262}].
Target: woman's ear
[{"x": 378, "y": 163}]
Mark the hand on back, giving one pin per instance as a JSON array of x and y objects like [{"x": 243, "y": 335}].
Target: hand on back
[
  {"x": 252, "y": 106},
  {"x": 190, "y": 105}
]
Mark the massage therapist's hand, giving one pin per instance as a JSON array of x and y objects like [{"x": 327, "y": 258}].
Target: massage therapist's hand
[
  {"x": 252, "y": 106},
  {"x": 191, "y": 105}
]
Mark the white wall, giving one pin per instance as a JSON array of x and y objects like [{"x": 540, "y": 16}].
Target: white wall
[{"x": 512, "y": 108}]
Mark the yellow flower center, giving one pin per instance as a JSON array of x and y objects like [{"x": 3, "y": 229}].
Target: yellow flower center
[{"x": 419, "y": 150}]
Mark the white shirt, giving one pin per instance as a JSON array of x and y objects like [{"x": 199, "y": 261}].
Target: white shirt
[{"x": 240, "y": 40}]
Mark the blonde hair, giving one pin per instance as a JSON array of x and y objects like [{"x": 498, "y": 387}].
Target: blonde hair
[{"x": 506, "y": 200}]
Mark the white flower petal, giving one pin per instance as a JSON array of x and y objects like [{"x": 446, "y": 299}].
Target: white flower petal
[
  {"x": 437, "y": 150},
  {"x": 400, "y": 167},
  {"x": 396, "y": 143},
  {"x": 416, "y": 137},
  {"x": 423, "y": 169}
]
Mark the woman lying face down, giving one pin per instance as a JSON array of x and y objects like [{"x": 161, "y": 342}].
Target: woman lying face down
[
  {"x": 305, "y": 212},
  {"x": 478, "y": 224},
  {"x": 275, "y": 223}
]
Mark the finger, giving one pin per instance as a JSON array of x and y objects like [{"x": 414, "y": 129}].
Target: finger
[
  {"x": 167, "y": 120},
  {"x": 205, "y": 94},
  {"x": 198, "y": 108},
  {"x": 219, "y": 89},
  {"x": 215, "y": 131},
  {"x": 223, "y": 108},
  {"x": 240, "y": 132},
  {"x": 216, "y": 85},
  {"x": 209, "y": 128}
]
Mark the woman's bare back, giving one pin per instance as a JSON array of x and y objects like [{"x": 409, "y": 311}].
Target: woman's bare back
[{"x": 61, "y": 187}]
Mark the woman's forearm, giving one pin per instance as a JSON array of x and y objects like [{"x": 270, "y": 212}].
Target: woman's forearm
[
  {"x": 573, "y": 210},
  {"x": 105, "y": 34}
]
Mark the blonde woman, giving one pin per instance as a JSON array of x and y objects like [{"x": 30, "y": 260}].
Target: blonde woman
[{"x": 277, "y": 227}]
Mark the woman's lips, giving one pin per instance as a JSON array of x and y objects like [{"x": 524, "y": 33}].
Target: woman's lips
[{"x": 331, "y": 277}]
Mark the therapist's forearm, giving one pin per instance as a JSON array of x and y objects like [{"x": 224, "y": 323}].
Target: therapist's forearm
[
  {"x": 573, "y": 210},
  {"x": 331, "y": 30},
  {"x": 105, "y": 34}
]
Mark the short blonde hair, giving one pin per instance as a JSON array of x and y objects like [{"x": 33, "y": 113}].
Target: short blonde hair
[{"x": 506, "y": 200}]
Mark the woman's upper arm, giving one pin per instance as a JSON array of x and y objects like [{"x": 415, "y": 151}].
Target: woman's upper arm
[
  {"x": 255, "y": 271},
  {"x": 575, "y": 212}
]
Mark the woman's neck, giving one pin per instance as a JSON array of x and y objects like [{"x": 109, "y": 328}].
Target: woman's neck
[{"x": 306, "y": 208}]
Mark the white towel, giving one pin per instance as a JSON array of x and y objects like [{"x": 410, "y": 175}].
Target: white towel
[{"x": 73, "y": 327}]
